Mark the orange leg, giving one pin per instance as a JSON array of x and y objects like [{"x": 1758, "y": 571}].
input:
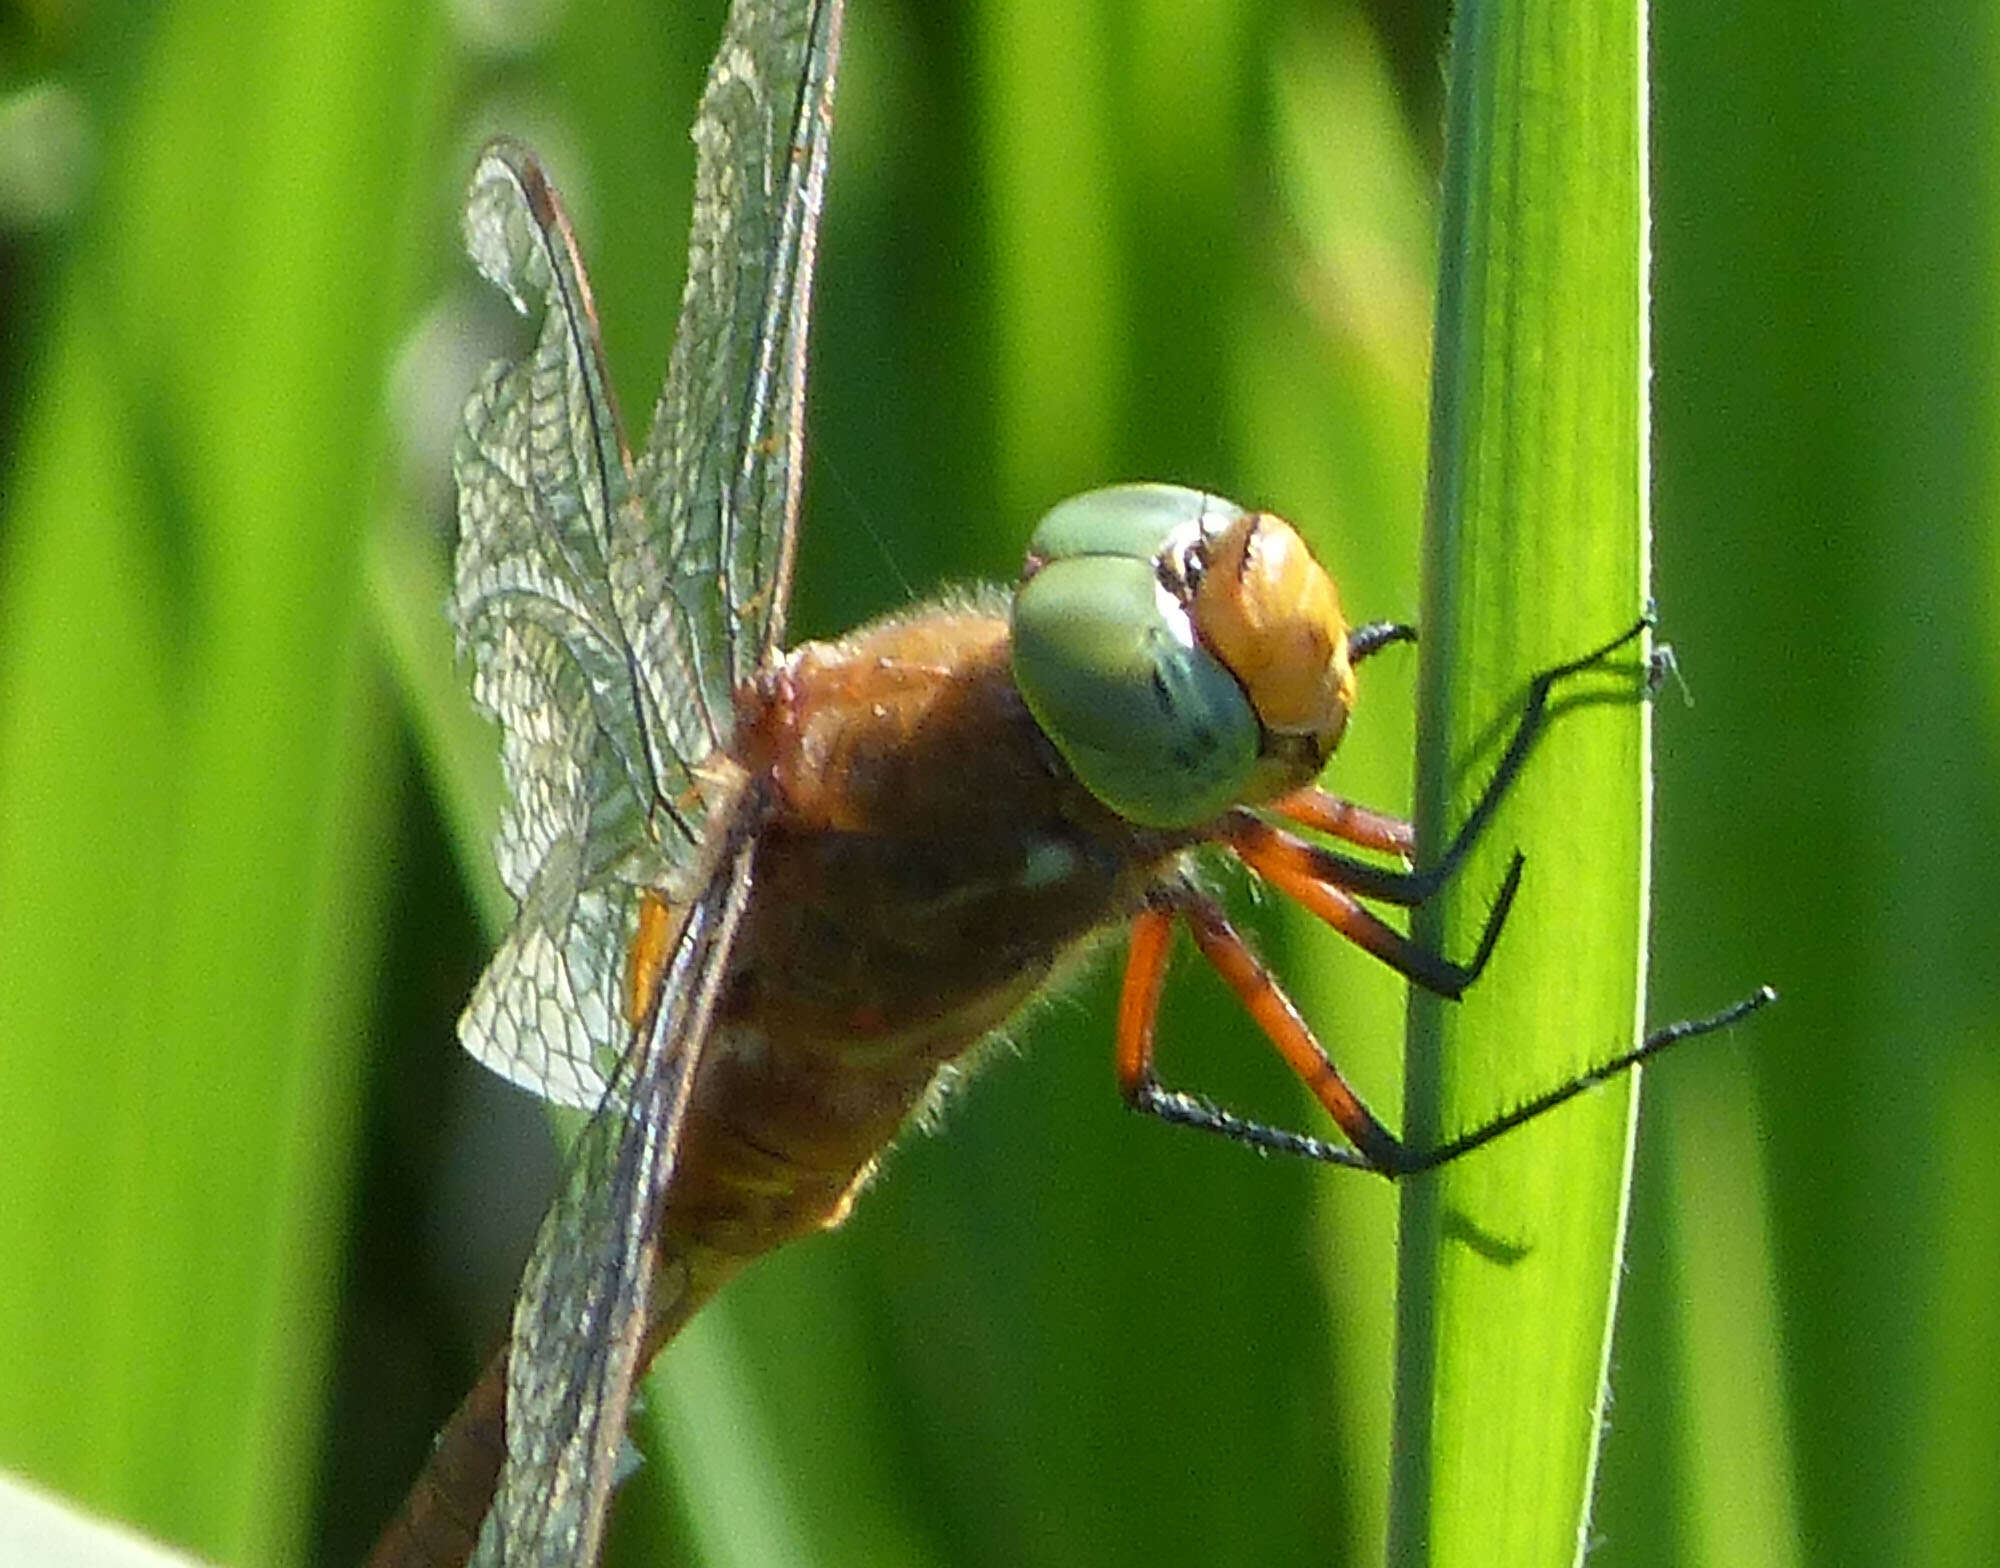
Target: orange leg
[
  {"x": 1273, "y": 1012},
  {"x": 1139, "y": 999},
  {"x": 1310, "y": 877},
  {"x": 1314, "y": 808},
  {"x": 1375, "y": 1148},
  {"x": 1138, "y": 1012},
  {"x": 1240, "y": 828}
]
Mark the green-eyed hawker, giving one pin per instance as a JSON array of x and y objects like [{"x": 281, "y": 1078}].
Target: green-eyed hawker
[{"x": 766, "y": 896}]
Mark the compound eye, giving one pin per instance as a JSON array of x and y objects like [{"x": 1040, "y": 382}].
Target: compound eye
[
  {"x": 1150, "y": 722},
  {"x": 1183, "y": 655},
  {"x": 1134, "y": 521}
]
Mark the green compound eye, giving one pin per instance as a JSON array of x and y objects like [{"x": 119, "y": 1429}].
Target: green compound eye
[
  {"x": 1127, "y": 520},
  {"x": 1152, "y": 723}
]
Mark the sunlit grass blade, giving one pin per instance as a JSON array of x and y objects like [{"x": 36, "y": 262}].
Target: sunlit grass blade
[{"x": 1535, "y": 551}]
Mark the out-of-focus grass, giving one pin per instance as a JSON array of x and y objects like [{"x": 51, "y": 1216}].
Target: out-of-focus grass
[
  {"x": 199, "y": 767},
  {"x": 1826, "y": 370},
  {"x": 1053, "y": 1333}
]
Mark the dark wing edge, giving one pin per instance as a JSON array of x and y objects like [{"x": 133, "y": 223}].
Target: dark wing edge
[
  {"x": 589, "y": 1293},
  {"x": 725, "y": 459}
]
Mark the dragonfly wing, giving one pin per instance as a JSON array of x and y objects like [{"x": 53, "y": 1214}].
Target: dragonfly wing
[
  {"x": 603, "y": 796},
  {"x": 549, "y": 1012},
  {"x": 724, "y": 462},
  {"x": 588, "y": 1294},
  {"x": 612, "y": 610}
]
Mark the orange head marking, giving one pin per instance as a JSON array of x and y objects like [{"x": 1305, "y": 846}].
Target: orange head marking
[{"x": 1272, "y": 614}]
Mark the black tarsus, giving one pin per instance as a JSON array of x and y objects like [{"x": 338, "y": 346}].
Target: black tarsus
[
  {"x": 1397, "y": 1159},
  {"x": 1374, "y": 636},
  {"x": 1414, "y": 1160},
  {"x": 1527, "y": 730}
]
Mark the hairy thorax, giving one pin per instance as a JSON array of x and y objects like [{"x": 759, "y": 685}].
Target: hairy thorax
[{"x": 925, "y": 861}]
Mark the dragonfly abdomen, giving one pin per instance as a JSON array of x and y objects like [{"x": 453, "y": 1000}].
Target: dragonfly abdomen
[{"x": 439, "y": 1521}]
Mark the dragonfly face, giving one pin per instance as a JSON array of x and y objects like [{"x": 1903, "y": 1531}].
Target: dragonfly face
[{"x": 1184, "y": 655}]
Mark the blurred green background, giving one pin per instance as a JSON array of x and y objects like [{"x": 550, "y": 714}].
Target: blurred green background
[{"x": 258, "y": 1220}]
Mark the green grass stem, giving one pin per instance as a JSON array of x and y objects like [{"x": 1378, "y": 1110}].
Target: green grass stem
[{"x": 1535, "y": 550}]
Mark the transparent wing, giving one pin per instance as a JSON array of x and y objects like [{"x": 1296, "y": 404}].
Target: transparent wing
[
  {"x": 587, "y": 1296},
  {"x": 611, "y": 611},
  {"x": 599, "y": 760},
  {"x": 725, "y": 460}
]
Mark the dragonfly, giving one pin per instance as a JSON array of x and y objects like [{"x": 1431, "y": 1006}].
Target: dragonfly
[{"x": 764, "y": 903}]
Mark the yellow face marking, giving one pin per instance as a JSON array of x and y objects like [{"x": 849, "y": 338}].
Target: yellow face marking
[{"x": 1271, "y": 613}]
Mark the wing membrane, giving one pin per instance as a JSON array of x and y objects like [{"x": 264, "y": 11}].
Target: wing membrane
[
  {"x": 725, "y": 459},
  {"x": 586, "y": 1298},
  {"x": 601, "y": 784},
  {"x": 611, "y": 610}
]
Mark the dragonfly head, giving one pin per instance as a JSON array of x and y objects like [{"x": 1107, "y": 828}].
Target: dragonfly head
[{"x": 1183, "y": 655}]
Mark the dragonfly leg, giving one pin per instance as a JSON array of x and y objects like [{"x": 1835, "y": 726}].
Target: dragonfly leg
[
  {"x": 1314, "y": 808},
  {"x": 1139, "y": 997},
  {"x": 1413, "y": 1160},
  {"x": 1371, "y": 638},
  {"x": 1322, "y": 813},
  {"x": 1248, "y": 833},
  {"x": 1327, "y": 883},
  {"x": 1324, "y": 884},
  {"x": 1533, "y": 719},
  {"x": 1375, "y": 1147}
]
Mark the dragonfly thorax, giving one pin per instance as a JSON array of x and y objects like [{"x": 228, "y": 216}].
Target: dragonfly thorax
[{"x": 925, "y": 863}]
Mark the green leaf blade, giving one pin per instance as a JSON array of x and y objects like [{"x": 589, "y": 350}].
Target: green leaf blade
[{"x": 1535, "y": 551}]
